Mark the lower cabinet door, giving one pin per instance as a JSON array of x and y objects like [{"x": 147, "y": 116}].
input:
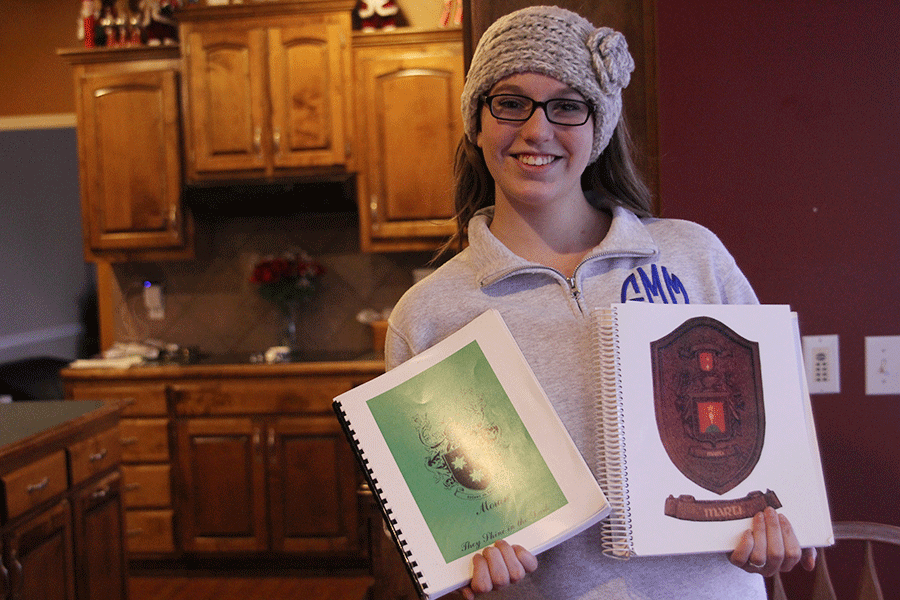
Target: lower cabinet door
[
  {"x": 221, "y": 468},
  {"x": 39, "y": 556},
  {"x": 312, "y": 487},
  {"x": 100, "y": 567}
]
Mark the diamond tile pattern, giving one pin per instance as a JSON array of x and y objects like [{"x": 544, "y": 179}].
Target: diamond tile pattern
[{"x": 211, "y": 303}]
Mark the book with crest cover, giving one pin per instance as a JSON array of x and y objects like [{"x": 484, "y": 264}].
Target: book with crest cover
[{"x": 705, "y": 420}]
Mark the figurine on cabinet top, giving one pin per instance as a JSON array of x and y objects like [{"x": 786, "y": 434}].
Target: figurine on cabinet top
[
  {"x": 160, "y": 26},
  {"x": 447, "y": 9},
  {"x": 377, "y": 14}
]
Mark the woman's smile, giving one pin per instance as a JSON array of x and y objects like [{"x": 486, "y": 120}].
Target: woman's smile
[{"x": 533, "y": 161}]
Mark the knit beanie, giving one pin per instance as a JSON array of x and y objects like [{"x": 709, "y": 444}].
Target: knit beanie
[{"x": 558, "y": 43}]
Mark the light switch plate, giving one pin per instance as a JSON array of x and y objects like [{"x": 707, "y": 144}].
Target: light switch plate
[
  {"x": 823, "y": 365},
  {"x": 882, "y": 365}
]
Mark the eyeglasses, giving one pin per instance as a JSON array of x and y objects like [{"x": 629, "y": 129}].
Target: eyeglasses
[{"x": 559, "y": 111}]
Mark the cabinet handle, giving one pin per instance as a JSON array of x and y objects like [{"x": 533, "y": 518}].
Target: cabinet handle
[
  {"x": 373, "y": 208},
  {"x": 17, "y": 569},
  {"x": 98, "y": 456},
  {"x": 100, "y": 493},
  {"x": 257, "y": 140},
  {"x": 134, "y": 532},
  {"x": 271, "y": 437},
  {"x": 129, "y": 441},
  {"x": 4, "y": 580},
  {"x": 37, "y": 487},
  {"x": 130, "y": 487},
  {"x": 276, "y": 139}
]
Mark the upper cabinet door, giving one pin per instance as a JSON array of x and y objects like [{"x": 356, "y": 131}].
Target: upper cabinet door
[
  {"x": 266, "y": 97},
  {"x": 307, "y": 79},
  {"x": 226, "y": 88},
  {"x": 408, "y": 95},
  {"x": 131, "y": 162}
]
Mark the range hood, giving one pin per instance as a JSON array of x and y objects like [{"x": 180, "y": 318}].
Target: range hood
[{"x": 273, "y": 198}]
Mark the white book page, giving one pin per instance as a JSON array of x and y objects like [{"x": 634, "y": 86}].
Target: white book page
[{"x": 789, "y": 463}]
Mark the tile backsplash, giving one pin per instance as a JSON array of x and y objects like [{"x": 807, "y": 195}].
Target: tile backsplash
[{"x": 210, "y": 302}]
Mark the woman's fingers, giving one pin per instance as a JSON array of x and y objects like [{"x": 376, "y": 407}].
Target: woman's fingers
[
  {"x": 528, "y": 560},
  {"x": 498, "y": 566},
  {"x": 792, "y": 550}
]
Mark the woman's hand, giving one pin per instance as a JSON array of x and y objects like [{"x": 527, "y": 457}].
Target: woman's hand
[
  {"x": 497, "y": 567},
  {"x": 771, "y": 546}
]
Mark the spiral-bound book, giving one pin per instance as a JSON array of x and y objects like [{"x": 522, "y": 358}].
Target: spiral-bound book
[
  {"x": 705, "y": 421},
  {"x": 462, "y": 448}
]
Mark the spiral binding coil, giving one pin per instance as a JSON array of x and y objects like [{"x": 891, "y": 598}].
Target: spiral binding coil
[
  {"x": 616, "y": 534},
  {"x": 382, "y": 501}
]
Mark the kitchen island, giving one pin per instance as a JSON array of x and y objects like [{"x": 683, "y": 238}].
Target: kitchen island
[
  {"x": 226, "y": 458},
  {"x": 61, "y": 533}
]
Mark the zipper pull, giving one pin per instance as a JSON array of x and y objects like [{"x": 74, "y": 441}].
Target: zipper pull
[{"x": 574, "y": 287}]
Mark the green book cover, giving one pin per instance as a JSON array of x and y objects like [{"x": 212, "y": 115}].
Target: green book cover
[{"x": 471, "y": 465}]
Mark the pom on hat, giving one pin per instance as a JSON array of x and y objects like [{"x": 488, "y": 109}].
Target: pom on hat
[{"x": 558, "y": 43}]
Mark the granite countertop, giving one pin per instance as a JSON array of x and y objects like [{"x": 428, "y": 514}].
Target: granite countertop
[{"x": 20, "y": 420}]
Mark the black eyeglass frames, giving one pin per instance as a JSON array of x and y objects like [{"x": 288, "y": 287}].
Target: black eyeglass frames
[{"x": 559, "y": 111}]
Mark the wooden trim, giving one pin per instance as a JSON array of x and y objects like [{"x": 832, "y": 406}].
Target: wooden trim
[
  {"x": 47, "y": 121},
  {"x": 406, "y": 35},
  {"x": 263, "y": 9},
  {"x": 107, "y": 298},
  {"x": 82, "y": 56}
]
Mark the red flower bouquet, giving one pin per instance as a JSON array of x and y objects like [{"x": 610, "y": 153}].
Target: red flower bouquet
[{"x": 288, "y": 279}]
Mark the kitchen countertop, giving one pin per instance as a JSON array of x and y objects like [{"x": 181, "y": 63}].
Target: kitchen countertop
[
  {"x": 240, "y": 365},
  {"x": 24, "y": 422}
]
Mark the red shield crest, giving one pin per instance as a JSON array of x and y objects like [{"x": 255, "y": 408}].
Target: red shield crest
[{"x": 707, "y": 389}]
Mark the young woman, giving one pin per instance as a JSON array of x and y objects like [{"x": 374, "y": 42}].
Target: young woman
[{"x": 558, "y": 223}]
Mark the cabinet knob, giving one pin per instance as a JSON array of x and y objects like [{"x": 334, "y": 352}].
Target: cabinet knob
[
  {"x": 257, "y": 140},
  {"x": 276, "y": 139}
]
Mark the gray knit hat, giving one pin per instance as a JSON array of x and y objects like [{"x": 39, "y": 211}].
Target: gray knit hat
[{"x": 557, "y": 43}]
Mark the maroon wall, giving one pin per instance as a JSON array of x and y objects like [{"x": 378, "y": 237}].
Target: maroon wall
[{"x": 780, "y": 130}]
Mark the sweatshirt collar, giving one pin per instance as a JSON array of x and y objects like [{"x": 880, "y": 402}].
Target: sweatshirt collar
[{"x": 627, "y": 237}]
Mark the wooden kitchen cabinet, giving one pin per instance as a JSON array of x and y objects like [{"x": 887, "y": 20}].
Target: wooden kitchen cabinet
[
  {"x": 144, "y": 433},
  {"x": 290, "y": 476},
  {"x": 225, "y": 460},
  {"x": 129, "y": 149},
  {"x": 60, "y": 508},
  {"x": 266, "y": 90},
  {"x": 100, "y": 568},
  {"x": 286, "y": 481},
  {"x": 40, "y": 554},
  {"x": 407, "y": 93}
]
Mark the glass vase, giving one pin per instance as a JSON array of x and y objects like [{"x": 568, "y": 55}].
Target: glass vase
[{"x": 294, "y": 335}]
